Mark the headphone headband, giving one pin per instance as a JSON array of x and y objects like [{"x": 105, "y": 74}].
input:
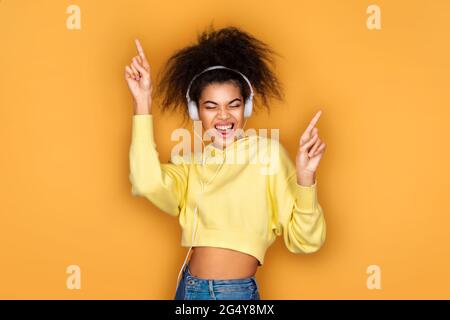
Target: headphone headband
[{"x": 218, "y": 67}]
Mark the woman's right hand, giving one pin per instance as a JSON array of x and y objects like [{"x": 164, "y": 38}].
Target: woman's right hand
[{"x": 137, "y": 75}]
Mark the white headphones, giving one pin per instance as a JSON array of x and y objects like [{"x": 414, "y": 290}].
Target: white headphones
[{"x": 192, "y": 105}]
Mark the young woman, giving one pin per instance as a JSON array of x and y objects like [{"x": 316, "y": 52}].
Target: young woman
[{"x": 229, "y": 212}]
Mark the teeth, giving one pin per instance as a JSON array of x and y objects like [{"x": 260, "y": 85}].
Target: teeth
[{"x": 221, "y": 127}]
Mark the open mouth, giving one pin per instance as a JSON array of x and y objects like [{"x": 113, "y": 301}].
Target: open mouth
[{"x": 225, "y": 129}]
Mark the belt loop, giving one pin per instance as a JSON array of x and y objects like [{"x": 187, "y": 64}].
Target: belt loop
[{"x": 211, "y": 289}]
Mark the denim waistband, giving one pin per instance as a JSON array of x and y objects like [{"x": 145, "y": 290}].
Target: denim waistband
[{"x": 186, "y": 273}]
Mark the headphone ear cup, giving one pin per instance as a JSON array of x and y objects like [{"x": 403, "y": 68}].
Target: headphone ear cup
[
  {"x": 193, "y": 111},
  {"x": 248, "y": 107}
]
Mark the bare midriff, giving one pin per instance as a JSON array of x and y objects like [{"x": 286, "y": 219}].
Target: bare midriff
[{"x": 220, "y": 263}]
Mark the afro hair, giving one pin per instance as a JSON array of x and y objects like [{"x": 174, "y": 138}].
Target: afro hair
[{"x": 230, "y": 47}]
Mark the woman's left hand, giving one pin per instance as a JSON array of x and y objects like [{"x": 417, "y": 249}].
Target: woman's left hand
[{"x": 311, "y": 150}]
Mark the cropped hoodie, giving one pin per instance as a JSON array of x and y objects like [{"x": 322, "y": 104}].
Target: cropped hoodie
[{"x": 244, "y": 195}]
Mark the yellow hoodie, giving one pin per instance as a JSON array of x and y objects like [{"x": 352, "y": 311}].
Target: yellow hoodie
[{"x": 245, "y": 194}]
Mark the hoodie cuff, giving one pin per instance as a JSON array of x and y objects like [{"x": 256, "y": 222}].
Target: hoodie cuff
[{"x": 306, "y": 197}]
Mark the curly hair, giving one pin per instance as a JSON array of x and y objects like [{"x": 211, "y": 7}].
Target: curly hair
[{"x": 230, "y": 47}]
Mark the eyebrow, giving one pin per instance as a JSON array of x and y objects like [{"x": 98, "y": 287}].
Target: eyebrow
[{"x": 217, "y": 103}]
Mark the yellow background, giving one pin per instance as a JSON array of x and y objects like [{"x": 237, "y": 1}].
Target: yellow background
[{"x": 65, "y": 114}]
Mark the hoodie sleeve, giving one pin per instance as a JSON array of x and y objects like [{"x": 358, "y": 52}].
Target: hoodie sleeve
[
  {"x": 298, "y": 214},
  {"x": 162, "y": 184}
]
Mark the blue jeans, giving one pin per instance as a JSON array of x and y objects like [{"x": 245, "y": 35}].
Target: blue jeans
[{"x": 193, "y": 288}]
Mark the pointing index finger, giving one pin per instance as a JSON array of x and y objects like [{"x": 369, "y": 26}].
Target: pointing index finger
[
  {"x": 313, "y": 122},
  {"x": 141, "y": 51}
]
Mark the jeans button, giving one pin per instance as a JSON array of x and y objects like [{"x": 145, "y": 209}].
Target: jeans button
[{"x": 191, "y": 282}]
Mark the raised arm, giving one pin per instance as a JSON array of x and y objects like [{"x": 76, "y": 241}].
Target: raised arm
[
  {"x": 162, "y": 184},
  {"x": 300, "y": 217}
]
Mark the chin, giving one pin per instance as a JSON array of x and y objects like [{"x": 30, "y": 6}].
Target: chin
[{"x": 223, "y": 141}]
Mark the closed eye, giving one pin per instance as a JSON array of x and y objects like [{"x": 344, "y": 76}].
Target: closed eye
[{"x": 213, "y": 107}]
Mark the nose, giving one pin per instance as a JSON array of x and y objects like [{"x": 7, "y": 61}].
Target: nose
[{"x": 223, "y": 113}]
